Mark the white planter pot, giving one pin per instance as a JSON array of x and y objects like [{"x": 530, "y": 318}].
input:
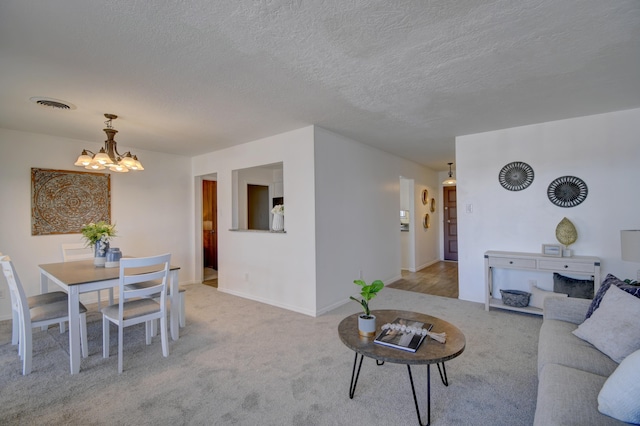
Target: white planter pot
[{"x": 367, "y": 325}]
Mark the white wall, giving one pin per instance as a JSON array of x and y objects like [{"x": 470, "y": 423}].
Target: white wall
[
  {"x": 151, "y": 208},
  {"x": 278, "y": 269},
  {"x": 428, "y": 241},
  {"x": 407, "y": 238},
  {"x": 357, "y": 195},
  {"x": 341, "y": 204},
  {"x": 603, "y": 150}
]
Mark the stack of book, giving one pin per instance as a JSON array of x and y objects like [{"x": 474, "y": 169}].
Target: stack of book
[{"x": 403, "y": 334}]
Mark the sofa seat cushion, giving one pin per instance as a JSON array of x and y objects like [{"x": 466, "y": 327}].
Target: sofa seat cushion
[
  {"x": 567, "y": 396},
  {"x": 557, "y": 345}
]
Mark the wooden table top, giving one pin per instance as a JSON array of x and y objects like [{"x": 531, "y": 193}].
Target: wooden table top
[
  {"x": 429, "y": 352},
  {"x": 83, "y": 271}
]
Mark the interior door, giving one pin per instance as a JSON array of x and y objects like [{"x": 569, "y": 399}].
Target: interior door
[
  {"x": 450, "y": 224},
  {"x": 210, "y": 223},
  {"x": 258, "y": 207}
]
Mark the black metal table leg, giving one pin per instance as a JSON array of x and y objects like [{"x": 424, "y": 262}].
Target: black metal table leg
[
  {"x": 352, "y": 386},
  {"x": 443, "y": 374},
  {"x": 415, "y": 400}
]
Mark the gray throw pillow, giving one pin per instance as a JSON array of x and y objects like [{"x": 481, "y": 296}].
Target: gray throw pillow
[
  {"x": 538, "y": 296},
  {"x": 608, "y": 282},
  {"x": 620, "y": 394},
  {"x": 613, "y": 328},
  {"x": 574, "y": 287}
]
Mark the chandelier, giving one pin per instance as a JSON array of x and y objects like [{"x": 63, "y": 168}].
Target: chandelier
[
  {"x": 108, "y": 156},
  {"x": 450, "y": 180}
]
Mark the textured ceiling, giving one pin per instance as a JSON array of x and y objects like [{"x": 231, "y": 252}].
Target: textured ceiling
[{"x": 404, "y": 76}]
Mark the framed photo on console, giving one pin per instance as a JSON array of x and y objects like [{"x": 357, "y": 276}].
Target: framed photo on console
[{"x": 554, "y": 250}]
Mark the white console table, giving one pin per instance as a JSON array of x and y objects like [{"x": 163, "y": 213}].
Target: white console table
[{"x": 576, "y": 265}]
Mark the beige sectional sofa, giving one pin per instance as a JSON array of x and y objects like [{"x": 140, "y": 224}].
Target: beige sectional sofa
[{"x": 571, "y": 372}]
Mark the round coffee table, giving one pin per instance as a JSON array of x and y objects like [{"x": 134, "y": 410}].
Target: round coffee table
[{"x": 429, "y": 352}]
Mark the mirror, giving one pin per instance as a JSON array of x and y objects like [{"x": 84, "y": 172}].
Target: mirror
[
  {"x": 425, "y": 197},
  {"x": 426, "y": 221}
]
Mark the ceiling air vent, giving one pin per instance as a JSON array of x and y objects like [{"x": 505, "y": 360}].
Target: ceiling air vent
[{"x": 53, "y": 103}]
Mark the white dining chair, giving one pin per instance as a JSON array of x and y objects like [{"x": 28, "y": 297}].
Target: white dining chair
[
  {"x": 182, "y": 317},
  {"x": 79, "y": 251},
  {"x": 182, "y": 320},
  {"x": 40, "y": 315},
  {"x": 32, "y": 301},
  {"x": 137, "y": 305}
]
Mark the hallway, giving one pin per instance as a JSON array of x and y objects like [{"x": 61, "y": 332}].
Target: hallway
[{"x": 440, "y": 279}]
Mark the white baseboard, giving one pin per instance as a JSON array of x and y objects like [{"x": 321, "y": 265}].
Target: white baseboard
[{"x": 269, "y": 302}]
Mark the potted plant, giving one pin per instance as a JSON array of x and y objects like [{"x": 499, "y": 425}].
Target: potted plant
[
  {"x": 97, "y": 235},
  {"x": 366, "y": 321}
]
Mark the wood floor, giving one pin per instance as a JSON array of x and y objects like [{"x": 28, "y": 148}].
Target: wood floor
[
  {"x": 440, "y": 279},
  {"x": 210, "y": 277}
]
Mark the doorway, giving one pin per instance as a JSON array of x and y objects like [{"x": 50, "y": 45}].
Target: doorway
[
  {"x": 210, "y": 232},
  {"x": 450, "y": 227},
  {"x": 258, "y": 207}
]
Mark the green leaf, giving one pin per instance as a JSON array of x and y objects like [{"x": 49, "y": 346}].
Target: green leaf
[{"x": 368, "y": 292}]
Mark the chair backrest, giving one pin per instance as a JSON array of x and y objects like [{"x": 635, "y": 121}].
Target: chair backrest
[
  {"x": 153, "y": 271},
  {"x": 76, "y": 251},
  {"x": 18, "y": 296}
]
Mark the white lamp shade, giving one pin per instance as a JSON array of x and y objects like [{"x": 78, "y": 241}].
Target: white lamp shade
[
  {"x": 102, "y": 157},
  {"x": 630, "y": 245},
  {"x": 128, "y": 162},
  {"x": 449, "y": 181},
  {"x": 138, "y": 165},
  {"x": 118, "y": 168},
  {"x": 83, "y": 160}
]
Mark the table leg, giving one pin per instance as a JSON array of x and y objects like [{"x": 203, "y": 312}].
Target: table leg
[
  {"x": 415, "y": 400},
  {"x": 44, "y": 284},
  {"x": 175, "y": 301},
  {"x": 443, "y": 374},
  {"x": 74, "y": 329},
  {"x": 44, "y": 288},
  {"x": 354, "y": 383}
]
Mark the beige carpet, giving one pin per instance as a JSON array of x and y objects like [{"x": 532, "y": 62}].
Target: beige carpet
[{"x": 240, "y": 362}]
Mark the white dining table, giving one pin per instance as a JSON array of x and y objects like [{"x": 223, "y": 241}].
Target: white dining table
[{"x": 83, "y": 276}]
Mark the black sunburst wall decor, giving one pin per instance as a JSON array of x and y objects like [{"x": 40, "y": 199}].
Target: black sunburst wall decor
[
  {"x": 567, "y": 191},
  {"x": 516, "y": 176}
]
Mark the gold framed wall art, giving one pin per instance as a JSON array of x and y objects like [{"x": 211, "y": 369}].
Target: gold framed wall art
[{"x": 62, "y": 200}]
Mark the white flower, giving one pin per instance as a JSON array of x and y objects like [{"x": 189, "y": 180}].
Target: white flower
[{"x": 278, "y": 209}]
